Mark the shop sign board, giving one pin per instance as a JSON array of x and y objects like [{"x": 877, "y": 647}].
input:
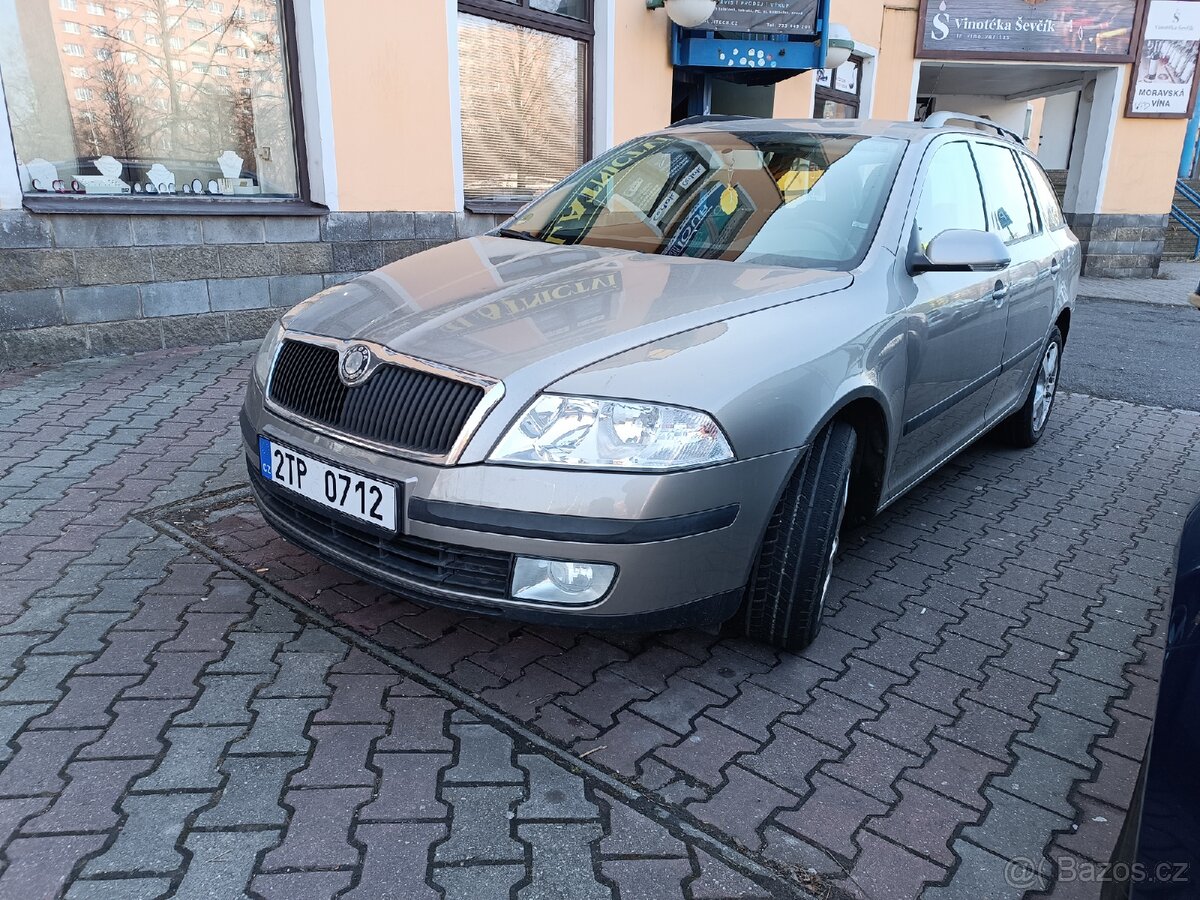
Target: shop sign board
[
  {"x": 1058, "y": 30},
  {"x": 766, "y": 16},
  {"x": 1164, "y": 80}
]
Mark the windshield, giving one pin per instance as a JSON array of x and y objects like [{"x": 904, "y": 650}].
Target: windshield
[{"x": 776, "y": 198}]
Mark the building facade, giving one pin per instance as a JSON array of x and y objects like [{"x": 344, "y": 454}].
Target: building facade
[{"x": 176, "y": 171}]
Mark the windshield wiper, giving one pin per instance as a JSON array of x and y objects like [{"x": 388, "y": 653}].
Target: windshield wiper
[{"x": 519, "y": 235}]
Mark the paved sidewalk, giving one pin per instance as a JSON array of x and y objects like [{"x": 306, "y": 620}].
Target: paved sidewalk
[
  {"x": 1177, "y": 282},
  {"x": 190, "y": 706}
]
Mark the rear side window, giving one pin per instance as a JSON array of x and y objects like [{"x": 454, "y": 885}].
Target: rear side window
[
  {"x": 1010, "y": 214},
  {"x": 950, "y": 197},
  {"x": 1051, "y": 212}
]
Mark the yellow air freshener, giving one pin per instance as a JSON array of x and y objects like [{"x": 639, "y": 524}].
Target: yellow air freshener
[{"x": 729, "y": 200}]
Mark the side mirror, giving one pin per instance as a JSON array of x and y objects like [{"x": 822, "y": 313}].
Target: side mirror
[{"x": 960, "y": 250}]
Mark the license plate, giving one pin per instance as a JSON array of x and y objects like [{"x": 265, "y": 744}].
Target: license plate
[{"x": 333, "y": 487}]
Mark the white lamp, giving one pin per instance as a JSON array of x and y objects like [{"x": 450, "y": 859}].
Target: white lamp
[
  {"x": 840, "y": 45},
  {"x": 686, "y": 13}
]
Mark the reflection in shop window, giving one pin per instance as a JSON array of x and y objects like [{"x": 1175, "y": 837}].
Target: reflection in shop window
[
  {"x": 136, "y": 106},
  {"x": 523, "y": 107}
]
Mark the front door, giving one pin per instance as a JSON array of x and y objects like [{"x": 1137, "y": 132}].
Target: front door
[{"x": 956, "y": 323}]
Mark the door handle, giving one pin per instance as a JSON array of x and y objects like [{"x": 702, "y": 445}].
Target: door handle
[
  {"x": 1055, "y": 266},
  {"x": 1000, "y": 292}
]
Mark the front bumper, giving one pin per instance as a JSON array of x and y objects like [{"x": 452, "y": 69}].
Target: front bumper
[{"x": 683, "y": 542}]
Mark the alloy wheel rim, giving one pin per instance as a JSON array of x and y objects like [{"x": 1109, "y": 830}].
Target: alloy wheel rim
[
  {"x": 836, "y": 542},
  {"x": 1045, "y": 386}
]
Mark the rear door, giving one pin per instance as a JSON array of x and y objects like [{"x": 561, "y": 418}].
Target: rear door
[
  {"x": 955, "y": 327},
  {"x": 1013, "y": 214}
]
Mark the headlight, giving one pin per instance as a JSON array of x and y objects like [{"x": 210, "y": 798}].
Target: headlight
[
  {"x": 616, "y": 434},
  {"x": 266, "y": 353}
]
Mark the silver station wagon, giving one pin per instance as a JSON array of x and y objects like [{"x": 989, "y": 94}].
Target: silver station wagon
[{"x": 655, "y": 396}]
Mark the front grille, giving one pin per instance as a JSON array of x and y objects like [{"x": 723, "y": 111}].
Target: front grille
[
  {"x": 484, "y": 573},
  {"x": 397, "y": 406}
]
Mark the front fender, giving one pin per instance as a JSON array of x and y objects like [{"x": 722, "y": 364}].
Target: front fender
[{"x": 771, "y": 379}]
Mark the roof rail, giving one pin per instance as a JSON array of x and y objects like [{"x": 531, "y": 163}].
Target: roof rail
[
  {"x": 944, "y": 118},
  {"x": 711, "y": 117}
]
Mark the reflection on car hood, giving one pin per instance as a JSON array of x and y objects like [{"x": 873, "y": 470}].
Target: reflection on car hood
[{"x": 495, "y": 305}]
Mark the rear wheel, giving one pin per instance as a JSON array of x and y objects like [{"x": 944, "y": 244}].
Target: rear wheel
[
  {"x": 1025, "y": 427},
  {"x": 787, "y": 589}
]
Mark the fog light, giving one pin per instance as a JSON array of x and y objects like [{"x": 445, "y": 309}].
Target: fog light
[{"x": 564, "y": 583}]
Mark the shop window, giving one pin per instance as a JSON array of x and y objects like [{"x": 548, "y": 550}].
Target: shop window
[
  {"x": 140, "y": 124},
  {"x": 838, "y": 92},
  {"x": 524, "y": 87}
]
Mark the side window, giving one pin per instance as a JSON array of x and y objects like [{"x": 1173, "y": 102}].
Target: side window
[
  {"x": 1051, "y": 212},
  {"x": 950, "y": 196},
  {"x": 1009, "y": 212}
]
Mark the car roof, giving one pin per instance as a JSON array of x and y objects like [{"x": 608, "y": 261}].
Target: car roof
[{"x": 908, "y": 131}]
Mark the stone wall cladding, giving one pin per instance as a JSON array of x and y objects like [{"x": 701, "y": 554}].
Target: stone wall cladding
[
  {"x": 74, "y": 286},
  {"x": 1120, "y": 246}
]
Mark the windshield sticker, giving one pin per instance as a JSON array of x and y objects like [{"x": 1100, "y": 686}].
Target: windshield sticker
[
  {"x": 665, "y": 207},
  {"x": 707, "y": 229},
  {"x": 691, "y": 177},
  {"x": 674, "y": 195},
  {"x": 580, "y": 211}
]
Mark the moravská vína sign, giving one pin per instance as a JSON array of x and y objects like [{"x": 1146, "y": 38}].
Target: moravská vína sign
[{"x": 1027, "y": 29}]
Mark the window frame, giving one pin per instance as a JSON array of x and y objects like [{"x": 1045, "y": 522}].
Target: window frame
[
  {"x": 301, "y": 204},
  {"x": 831, "y": 93},
  {"x": 522, "y": 14}
]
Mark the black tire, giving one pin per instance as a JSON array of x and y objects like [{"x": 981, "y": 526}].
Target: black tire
[
  {"x": 1025, "y": 427},
  {"x": 786, "y": 593}
]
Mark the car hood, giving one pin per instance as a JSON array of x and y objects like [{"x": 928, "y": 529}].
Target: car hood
[{"x": 493, "y": 305}]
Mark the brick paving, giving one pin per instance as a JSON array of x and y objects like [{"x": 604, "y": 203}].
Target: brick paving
[{"x": 189, "y": 706}]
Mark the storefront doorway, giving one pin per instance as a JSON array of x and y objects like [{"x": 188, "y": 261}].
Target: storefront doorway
[{"x": 697, "y": 94}]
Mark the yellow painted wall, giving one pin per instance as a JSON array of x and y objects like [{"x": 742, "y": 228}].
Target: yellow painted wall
[
  {"x": 864, "y": 18},
  {"x": 642, "y": 74},
  {"x": 1035, "y": 123},
  {"x": 1142, "y": 165},
  {"x": 393, "y": 130},
  {"x": 895, "y": 71},
  {"x": 794, "y": 97},
  {"x": 388, "y": 69},
  {"x": 891, "y": 28}
]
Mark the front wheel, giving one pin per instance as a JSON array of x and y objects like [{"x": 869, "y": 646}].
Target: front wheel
[
  {"x": 786, "y": 594},
  {"x": 1025, "y": 427}
]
